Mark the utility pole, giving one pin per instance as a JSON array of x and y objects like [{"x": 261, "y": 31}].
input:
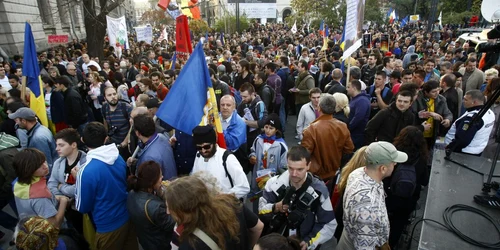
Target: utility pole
[{"x": 238, "y": 16}]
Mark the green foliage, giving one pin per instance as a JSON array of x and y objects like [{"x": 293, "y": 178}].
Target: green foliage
[
  {"x": 372, "y": 11},
  {"x": 318, "y": 10},
  {"x": 228, "y": 24}
]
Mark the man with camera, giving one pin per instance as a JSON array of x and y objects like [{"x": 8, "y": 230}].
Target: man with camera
[{"x": 297, "y": 203}]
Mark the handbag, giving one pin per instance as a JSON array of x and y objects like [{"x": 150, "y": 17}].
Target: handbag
[{"x": 146, "y": 212}]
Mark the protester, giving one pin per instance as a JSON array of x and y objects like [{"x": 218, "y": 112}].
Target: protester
[
  {"x": 308, "y": 112},
  {"x": 147, "y": 210}
]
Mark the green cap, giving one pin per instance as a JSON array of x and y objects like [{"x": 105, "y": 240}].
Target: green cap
[{"x": 381, "y": 153}]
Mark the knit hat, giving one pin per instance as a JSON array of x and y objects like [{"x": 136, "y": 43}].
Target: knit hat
[
  {"x": 204, "y": 134},
  {"x": 274, "y": 121},
  {"x": 36, "y": 233},
  {"x": 382, "y": 152},
  {"x": 145, "y": 68}
]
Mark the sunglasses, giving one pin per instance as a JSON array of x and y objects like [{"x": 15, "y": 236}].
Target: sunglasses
[{"x": 206, "y": 147}]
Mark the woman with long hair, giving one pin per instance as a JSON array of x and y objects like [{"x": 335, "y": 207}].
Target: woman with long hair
[
  {"x": 203, "y": 219},
  {"x": 358, "y": 160},
  {"x": 147, "y": 87},
  {"x": 95, "y": 94},
  {"x": 412, "y": 142},
  {"x": 147, "y": 210}
]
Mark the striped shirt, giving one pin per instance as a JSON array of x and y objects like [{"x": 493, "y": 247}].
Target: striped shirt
[{"x": 117, "y": 121}]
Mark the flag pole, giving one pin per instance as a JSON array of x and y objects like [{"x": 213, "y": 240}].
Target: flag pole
[
  {"x": 23, "y": 89},
  {"x": 348, "y": 70}
]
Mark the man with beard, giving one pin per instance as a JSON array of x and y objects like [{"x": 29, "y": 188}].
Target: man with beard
[
  {"x": 116, "y": 119},
  {"x": 214, "y": 160}
]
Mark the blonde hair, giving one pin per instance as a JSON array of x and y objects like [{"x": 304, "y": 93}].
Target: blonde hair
[
  {"x": 342, "y": 103},
  {"x": 358, "y": 160},
  {"x": 491, "y": 72}
]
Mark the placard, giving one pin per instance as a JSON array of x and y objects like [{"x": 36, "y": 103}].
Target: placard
[
  {"x": 58, "y": 39},
  {"x": 367, "y": 41}
]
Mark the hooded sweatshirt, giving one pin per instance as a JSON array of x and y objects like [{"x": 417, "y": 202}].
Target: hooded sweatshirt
[
  {"x": 407, "y": 57},
  {"x": 101, "y": 188}
]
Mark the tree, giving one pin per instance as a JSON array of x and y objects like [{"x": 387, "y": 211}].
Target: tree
[
  {"x": 372, "y": 11},
  {"x": 328, "y": 10},
  {"x": 228, "y": 24},
  {"x": 156, "y": 18},
  {"x": 95, "y": 24}
]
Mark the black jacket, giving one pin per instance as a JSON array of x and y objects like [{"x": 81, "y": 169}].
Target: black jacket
[
  {"x": 75, "y": 108},
  {"x": 131, "y": 73},
  {"x": 451, "y": 96},
  {"x": 387, "y": 124},
  {"x": 155, "y": 229},
  {"x": 335, "y": 87}
]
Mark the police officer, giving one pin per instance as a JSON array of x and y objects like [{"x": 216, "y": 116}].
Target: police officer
[
  {"x": 297, "y": 203},
  {"x": 465, "y": 137}
]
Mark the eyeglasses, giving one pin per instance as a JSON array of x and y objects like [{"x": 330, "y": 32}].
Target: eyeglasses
[{"x": 206, "y": 147}]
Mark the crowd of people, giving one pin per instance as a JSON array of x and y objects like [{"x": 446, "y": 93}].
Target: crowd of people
[{"x": 105, "y": 174}]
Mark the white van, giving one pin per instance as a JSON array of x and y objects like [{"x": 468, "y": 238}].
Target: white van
[{"x": 474, "y": 39}]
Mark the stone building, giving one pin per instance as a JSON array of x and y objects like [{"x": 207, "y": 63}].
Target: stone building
[{"x": 47, "y": 17}]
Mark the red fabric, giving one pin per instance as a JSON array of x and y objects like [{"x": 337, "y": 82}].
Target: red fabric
[
  {"x": 182, "y": 37},
  {"x": 335, "y": 196},
  {"x": 220, "y": 140},
  {"x": 39, "y": 189},
  {"x": 163, "y": 4},
  {"x": 395, "y": 88},
  {"x": 195, "y": 10},
  {"x": 60, "y": 126},
  {"x": 162, "y": 91}
]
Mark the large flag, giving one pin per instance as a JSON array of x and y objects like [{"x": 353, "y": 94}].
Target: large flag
[
  {"x": 389, "y": 12},
  {"x": 32, "y": 73},
  {"x": 342, "y": 44},
  {"x": 222, "y": 38},
  {"x": 392, "y": 17},
  {"x": 294, "y": 28},
  {"x": 191, "y": 101},
  {"x": 404, "y": 22},
  {"x": 174, "y": 59}
]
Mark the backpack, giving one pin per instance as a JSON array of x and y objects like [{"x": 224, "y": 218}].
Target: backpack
[
  {"x": 404, "y": 180},
  {"x": 273, "y": 98},
  {"x": 224, "y": 159},
  {"x": 384, "y": 92}
]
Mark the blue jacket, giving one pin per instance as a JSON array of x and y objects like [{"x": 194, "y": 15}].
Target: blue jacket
[
  {"x": 158, "y": 149},
  {"x": 236, "y": 133},
  {"x": 283, "y": 74},
  {"x": 101, "y": 188},
  {"x": 41, "y": 138},
  {"x": 360, "y": 113}
]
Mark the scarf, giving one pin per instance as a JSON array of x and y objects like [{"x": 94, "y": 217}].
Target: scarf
[{"x": 36, "y": 189}]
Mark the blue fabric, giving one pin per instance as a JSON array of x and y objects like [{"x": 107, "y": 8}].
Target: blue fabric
[
  {"x": 31, "y": 68},
  {"x": 192, "y": 84},
  {"x": 160, "y": 151},
  {"x": 184, "y": 152},
  {"x": 104, "y": 194},
  {"x": 41, "y": 138},
  {"x": 236, "y": 133},
  {"x": 57, "y": 107},
  {"x": 360, "y": 113}
]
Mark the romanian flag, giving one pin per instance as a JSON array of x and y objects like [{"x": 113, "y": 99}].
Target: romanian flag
[
  {"x": 392, "y": 17},
  {"x": 31, "y": 71},
  {"x": 342, "y": 44},
  {"x": 222, "y": 38},
  {"x": 322, "y": 28},
  {"x": 325, "y": 38},
  {"x": 191, "y": 100},
  {"x": 174, "y": 59}
]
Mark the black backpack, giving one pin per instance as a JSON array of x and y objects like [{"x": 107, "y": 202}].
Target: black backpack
[{"x": 404, "y": 180}]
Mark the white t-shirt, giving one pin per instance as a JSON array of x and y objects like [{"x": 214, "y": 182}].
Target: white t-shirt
[{"x": 5, "y": 83}]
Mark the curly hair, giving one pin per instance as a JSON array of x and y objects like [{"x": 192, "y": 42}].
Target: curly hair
[{"x": 191, "y": 205}]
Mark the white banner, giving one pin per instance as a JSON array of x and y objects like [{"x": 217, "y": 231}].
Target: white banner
[
  {"x": 255, "y": 10},
  {"x": 144, "y": 34},
  {"x": 117, "y": 34},
  {"x": 354, "y": 23}
]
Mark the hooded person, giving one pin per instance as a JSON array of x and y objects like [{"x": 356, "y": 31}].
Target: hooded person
[
  {"x": 268, "y": 153},
  {"x": 407, "y": 57},
  {"x": 101, "y": 189}
]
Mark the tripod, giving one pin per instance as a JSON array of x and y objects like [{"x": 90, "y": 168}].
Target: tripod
[{"x": 475, "y": 119}]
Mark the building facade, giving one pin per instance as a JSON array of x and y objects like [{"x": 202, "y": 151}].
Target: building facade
[{"x": 47, "y": 17}]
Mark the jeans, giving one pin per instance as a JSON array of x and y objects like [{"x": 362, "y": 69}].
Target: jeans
[
  {"x": 282, "y": 114},
  {"x": 6, "y": 220}
]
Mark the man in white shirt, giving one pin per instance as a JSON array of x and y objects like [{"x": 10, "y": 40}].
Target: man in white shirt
[
  {"x": 87, "y": 62},
  {"x": 4, "y": 80},
  {"x": 214, "y": 160}
]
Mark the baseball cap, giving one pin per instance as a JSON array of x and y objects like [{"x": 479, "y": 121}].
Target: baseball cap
[
  {"x": 380, "y": 153},
  {"x": 274, "y": 121},
  {"x": 23, "y": 113}
]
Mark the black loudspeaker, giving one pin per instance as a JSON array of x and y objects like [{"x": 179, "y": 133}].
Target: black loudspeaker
[{"x": 494, "y": 33}]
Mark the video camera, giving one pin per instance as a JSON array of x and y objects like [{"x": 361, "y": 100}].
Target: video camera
[{"x": 494, "y": 33}]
